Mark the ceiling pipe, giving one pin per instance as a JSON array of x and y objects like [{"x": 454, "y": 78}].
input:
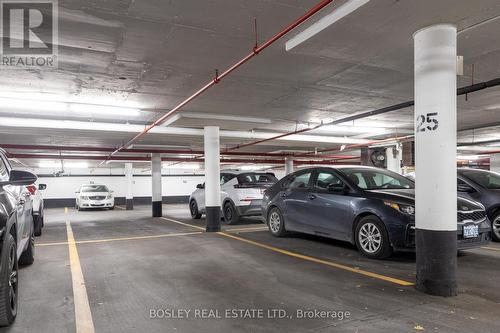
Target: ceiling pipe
[
  {"x": 460, "y": 91},
  {"x": 162, "y": 151},
  {"x": 256, "y": 50},
  {"x": 168, "y": 159}
]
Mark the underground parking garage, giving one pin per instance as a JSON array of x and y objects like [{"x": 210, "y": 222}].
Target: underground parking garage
[{"x": 262, "y": 166}]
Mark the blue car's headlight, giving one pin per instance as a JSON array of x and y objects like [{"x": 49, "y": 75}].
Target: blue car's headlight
[{"x": 405, "y": 209}]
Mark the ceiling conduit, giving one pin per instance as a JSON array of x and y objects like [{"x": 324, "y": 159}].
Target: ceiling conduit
[{"x": 256, "y": 50}]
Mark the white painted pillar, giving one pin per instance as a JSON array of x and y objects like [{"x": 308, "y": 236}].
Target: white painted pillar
[
  {"x": 435, "y": 159},
  {"x": 129, "y": 178},
  {"x": 212, "y": 178},
  {"x": 288, "y": 165},
  {"x": 156, "y": 184},
  {"x": 495, "y": 163},
  {"x": 394, "y": 156}
]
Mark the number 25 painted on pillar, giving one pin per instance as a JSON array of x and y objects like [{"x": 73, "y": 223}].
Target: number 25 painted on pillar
[{"x": 430, "y": 119}]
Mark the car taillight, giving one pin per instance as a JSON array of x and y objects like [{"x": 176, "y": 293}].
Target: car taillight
[{"x": 31, "y": 189}]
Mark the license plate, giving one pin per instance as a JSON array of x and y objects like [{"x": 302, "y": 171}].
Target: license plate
[{"x": 471, "y": 231}]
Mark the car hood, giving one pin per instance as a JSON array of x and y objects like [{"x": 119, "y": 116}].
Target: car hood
[{"x": 408, "y": 196}]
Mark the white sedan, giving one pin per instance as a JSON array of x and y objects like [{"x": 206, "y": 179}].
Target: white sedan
[{"x": 94, "y": 196}]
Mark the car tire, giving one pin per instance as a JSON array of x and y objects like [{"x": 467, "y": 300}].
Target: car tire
[
  {"x": 28, "y": 256},
  {"x": 9, "y": 283},
  {"x": 193, "y": 208},
  {"x": 495, "y": 226},
  {"x": 372, "y": 239},
  {"x": 112, "y": 208},
  {"x": 276, "y": 223},
  {"x": 38, "y": 220},
  {"x": 231, "y": 215}
]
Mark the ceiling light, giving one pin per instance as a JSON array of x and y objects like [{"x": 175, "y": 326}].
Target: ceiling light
[
  {"x": 50, "y": 164},
  {"x": 191, "y": 166},
  {"x": 325, "y": 22},
  {"x": 226, "y": 117},
  {"x": 104, "y": 109},
  {"x": 57, "y": 106}
]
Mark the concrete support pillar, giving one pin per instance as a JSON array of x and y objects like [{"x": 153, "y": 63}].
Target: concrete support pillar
[
  {"x": 435, "y": 159},
  {"x": 212, "y": 178},
  {"x": 495, "y": 163},
  {"x": 288, "y": 165},
  {"x": 156, "y": 184},
  {"x": 394, "y": 156},
  {"x": 129, "y": 178}
]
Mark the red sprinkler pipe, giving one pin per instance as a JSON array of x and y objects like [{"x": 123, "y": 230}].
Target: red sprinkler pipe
[
  {"x": 166, "y": 159},
  {"x": 163, "y": 151},
  {"x": 254, "y": 52}
]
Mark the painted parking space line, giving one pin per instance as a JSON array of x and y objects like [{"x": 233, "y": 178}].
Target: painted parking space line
[
  {"x": 491, "y": 248},
  {"x": 83, "y": 315},
  {"x": 307, "y": 258},
  {"x": 120, "y": 207},
  {"x": 252, "y": 229},
  {"x": 182, "y": 223},
  {"x": 89, "y": 241}
]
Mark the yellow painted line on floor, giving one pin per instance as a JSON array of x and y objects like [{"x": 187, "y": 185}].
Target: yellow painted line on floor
[
  {"x": 65, "y": 210},
  {"x": 120, "y": 207},
  {"x": 122, "y": 238},
  {"x": 490, "y": 248},
  {"x": 307, "y": 258},
  {"x": 83, "y": 316},
  {"x": 182, "y": 223},
  {"x": 246, "y": 229}
]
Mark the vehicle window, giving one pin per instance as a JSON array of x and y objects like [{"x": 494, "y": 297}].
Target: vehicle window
[
  {"x": 487, "y": 179},
  {"x": 256, "y": 178},
  {"x": 224, "y": 178},
  {"x": 325, "y": 179},
  {"x": 301, "y": 181},
  {"x": 375, "y": 179},
  {"x": 4, "y": 173},
  {"x": 94, "y": 188}
]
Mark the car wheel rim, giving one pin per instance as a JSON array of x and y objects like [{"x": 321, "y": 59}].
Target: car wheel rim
[
  {"x": 13, "y": 280},
  {"x": 496, "y": 226},
  {"x": 370, "y": 238},
  {"x": 229, "y": 213},
  {"x": 274, "y": 222}
]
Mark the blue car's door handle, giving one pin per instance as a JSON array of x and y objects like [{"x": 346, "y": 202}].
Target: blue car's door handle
[{"x": 312, "y": 196}]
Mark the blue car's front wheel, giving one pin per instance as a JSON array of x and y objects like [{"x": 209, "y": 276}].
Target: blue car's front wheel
[{"x": 372, "y": 238}]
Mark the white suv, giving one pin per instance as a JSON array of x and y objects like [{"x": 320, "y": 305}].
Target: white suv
[{"x": 241, "y": 194}]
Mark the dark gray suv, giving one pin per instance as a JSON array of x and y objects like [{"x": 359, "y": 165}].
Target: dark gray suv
[{"x": 483, "y": 186}]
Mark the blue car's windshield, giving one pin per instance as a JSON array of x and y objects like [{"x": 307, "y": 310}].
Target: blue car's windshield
[
  {"x": 486, "y": 179},
  {"x": 376, "y": 179}
]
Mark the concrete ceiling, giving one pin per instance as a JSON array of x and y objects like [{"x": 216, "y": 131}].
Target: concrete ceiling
[{"x": 151, "y": 54}]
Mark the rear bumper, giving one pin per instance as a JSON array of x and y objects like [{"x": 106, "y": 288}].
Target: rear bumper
[{"x": 254, "y": 209}]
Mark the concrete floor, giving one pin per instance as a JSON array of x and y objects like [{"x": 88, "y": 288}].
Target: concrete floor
[{"x": 183, "y": 268}]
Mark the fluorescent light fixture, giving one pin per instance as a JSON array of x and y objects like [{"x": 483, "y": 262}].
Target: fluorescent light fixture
[
  {"x": 227, "y": 117},
  {"x": 103, "y": 109},
  {"x": 254, "y": 167},
  {"x": 325, "y": 22},
  {"x": 56, "y": 106},
  {"x": 159, "y": 147},
  {"x": 470, "y": 157},
  {"x": 352, "y": 129},
  {"x": 190, "y": 166},
  {"x": 50, "y": 164},
  {"x": 58, "y": 165}
]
